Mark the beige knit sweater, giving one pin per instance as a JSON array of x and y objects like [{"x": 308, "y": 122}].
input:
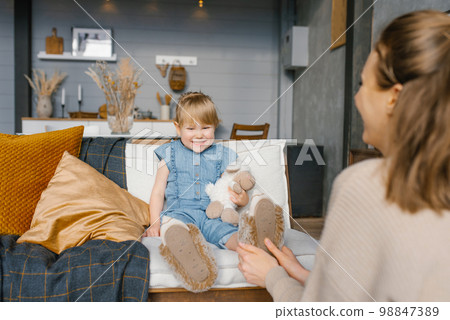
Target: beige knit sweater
[{"x": 371, "y": 250}]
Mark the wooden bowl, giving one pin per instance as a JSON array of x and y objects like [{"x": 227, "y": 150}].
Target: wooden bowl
[
  {"x": 78, "y": 115},
  {"x": 102, "y": 111}
]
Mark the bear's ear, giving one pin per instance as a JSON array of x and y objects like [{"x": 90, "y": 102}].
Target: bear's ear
[{"x": 233, "y": 168}]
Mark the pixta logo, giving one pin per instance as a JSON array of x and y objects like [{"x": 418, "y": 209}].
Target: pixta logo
[{"x": 305, "y": 156}]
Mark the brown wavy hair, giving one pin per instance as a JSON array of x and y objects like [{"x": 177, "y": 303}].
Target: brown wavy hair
[
  {"x": 414, "y": 50},
  {"x": 196, "y": 107}
]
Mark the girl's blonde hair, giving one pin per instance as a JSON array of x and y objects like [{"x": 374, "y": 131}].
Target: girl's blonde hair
[
  {"x": 414, "y": 50},
  {"x": 196, "y": 107}
]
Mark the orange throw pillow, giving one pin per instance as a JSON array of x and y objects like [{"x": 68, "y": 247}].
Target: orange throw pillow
[
  {"x": 27, "y": 163},
  {"x": 81, "y": 204}
]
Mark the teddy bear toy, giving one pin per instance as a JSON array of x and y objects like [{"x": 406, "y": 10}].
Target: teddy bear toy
[{"x": 236, "y": 177}]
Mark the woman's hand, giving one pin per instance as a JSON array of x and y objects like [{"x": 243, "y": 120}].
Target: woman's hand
[
  {"x": 239, "y": 199},
  {"x": 288, "y": 261},
  {"x": 152, "y": 231},
  {"x": 255, "y": 263}
]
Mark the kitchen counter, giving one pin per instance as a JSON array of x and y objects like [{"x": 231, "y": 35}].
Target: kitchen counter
[{"x": 98, "y": 127}]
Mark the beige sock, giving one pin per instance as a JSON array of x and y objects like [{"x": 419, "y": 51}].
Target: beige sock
[
  {"x": 256, "y": 196},
  {"x": 180, "y": 243},
  {"x": 265, "y": 221},
  {"x": 167, "y": 222}
]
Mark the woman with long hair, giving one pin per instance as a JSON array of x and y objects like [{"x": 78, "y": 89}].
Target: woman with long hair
[{"x": 387, "y": 230}]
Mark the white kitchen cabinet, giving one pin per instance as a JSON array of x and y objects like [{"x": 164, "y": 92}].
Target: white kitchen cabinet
[
  {"x": 164, "y": 129},
  {"x": 98, "y": 127}
]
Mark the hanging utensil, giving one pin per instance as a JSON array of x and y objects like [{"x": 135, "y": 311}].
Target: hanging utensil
[
  {"x": 177, "y": 77},
  {"x": 168, "y": 99},
  {"x": 159, "y": 98},
  {"x": 163, "y": 69}
]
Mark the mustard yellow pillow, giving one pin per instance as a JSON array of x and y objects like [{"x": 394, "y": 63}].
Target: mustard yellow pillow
[
  {"x": 81, "y": 204},
  {"x": 27, "y": 164}
]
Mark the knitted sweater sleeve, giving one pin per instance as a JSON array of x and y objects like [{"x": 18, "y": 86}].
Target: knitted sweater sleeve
[
  {"x": 370, "y": 249},
  {"x": 282, "y": 287}
]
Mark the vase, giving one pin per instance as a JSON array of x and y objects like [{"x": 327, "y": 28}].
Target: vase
[
  {"x": 165, "y": 112},
  {"x": 120, "y": 120},
  {"x": 44, "y": 106}
]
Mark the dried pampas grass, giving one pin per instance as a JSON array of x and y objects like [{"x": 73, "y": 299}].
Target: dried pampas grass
[
  {"x": 120, "y": 88},
  {"x": 43, "y": 86}
]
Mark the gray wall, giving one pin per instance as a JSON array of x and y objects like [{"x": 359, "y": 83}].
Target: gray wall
[
  {"x": 236, "y": 43},
  {"x": 285, "y": 77},
  {"x": 362, "y": 45},
  {"x": 367, "y": 31},
  {"x": 319, "y": 93},
  {"x": 387, "y": 10},
  {"x": 7, "y": 66}
]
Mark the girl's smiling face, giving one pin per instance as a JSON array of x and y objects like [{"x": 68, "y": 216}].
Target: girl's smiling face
[{"x": 196, "y": 136}]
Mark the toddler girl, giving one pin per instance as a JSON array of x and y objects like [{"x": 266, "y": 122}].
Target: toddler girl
[{"x": 186, "y": 166}]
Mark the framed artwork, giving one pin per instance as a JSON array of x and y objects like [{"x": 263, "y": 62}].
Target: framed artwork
[
  {"x": 91, "y": 42},
  {"x": 338, "y": 23}
]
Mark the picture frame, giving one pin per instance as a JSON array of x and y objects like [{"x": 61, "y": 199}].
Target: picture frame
[
  {"x": 338, "y": 23},
  {"x": 92, "y": 42}
]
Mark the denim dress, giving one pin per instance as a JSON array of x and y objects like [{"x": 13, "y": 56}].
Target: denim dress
[{"x": 189, "y": 173}]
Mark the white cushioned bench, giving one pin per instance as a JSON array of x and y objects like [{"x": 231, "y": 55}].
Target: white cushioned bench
[{"x": 266, "y": 159}]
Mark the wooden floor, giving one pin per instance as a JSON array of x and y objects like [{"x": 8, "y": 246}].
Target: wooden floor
[
  {"x": 311, "y": 226},
  {"x": 245, "y": 294}
]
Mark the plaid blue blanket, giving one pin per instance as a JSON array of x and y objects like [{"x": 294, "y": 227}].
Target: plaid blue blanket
[
  {"x": 99, "y": 270},
  {"x": 107, "y": 155}
]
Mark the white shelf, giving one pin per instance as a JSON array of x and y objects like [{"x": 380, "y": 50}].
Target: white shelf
[
  {"x": 68, "y": 56},
  {"x": 185, "y": 61}
]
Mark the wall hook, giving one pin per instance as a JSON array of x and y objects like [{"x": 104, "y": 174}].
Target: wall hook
[{"x": 163, "y": 69}]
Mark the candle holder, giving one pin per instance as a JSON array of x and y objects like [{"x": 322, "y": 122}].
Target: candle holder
[
  {"x": 62, "y": 110},
  {"x": 79, "y": 105}
]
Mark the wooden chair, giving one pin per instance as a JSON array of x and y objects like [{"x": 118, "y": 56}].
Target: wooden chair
[{"x": 253, "y": 128}]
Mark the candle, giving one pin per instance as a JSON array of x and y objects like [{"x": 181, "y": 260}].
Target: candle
[
  {"x": 63, "y": 96},
  {"x": 79, "y": 92}
]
